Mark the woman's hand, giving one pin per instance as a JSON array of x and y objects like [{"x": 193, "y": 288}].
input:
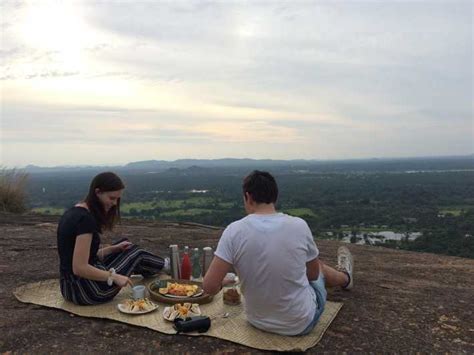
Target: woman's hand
[
  {"x": 121, "y": 280},
  {"x": 122, "y": 246}
]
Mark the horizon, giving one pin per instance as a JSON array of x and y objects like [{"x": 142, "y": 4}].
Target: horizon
[
  {"x": 89, "y": 83},
  {"x": 253, "y": 159}
]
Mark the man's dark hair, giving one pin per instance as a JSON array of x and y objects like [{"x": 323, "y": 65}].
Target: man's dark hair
[
  {"x": 262, "y": 186},
  {"x": 105, "y": 182}
]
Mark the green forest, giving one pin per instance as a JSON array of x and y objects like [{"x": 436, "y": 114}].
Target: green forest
[{"x": 355, "y": 206}]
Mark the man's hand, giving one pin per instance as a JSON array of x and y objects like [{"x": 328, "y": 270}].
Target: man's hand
[{"x": 229, "y": 279}]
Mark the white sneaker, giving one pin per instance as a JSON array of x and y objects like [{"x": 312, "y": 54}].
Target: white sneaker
[{"x": 345, "y": 263}]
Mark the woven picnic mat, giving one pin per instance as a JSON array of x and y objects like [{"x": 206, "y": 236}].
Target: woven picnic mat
[{"x": 234, "y": 328}]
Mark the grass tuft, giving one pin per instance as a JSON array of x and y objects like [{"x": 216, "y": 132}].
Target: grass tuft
[{"x": 12, "y": 190}]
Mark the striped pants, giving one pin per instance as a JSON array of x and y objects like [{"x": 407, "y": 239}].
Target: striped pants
[{"x": 87, "y": 292}]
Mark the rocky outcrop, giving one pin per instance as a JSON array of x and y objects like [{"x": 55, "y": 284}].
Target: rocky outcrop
[{"x": 402, "y": 301}]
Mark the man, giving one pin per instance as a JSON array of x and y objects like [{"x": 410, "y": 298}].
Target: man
[{"x": 276, "y": 259}]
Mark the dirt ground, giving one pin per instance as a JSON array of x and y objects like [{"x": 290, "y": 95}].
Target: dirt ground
[{"x": 401, "y": 302}]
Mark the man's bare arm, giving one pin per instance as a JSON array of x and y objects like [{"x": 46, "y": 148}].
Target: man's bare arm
[
  {"x": 212, "y": 282},
  {"x": 313, "y": 269}
]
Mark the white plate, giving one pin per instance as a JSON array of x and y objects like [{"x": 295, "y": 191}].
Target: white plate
[
  {"x": 170, "y": 315},
  {"x": 123, "y": 308}
]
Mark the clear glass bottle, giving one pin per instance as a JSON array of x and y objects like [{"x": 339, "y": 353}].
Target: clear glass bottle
[{"x": 196, "y": 265}]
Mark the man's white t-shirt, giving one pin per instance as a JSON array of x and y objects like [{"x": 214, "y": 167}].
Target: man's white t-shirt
[{"x": 269, "y": 253}]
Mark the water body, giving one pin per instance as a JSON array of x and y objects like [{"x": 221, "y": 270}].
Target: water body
[{"x": 437, "y": 171}]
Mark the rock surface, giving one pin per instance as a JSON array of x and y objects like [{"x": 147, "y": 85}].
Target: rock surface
[{"x": 401, "y": 302}]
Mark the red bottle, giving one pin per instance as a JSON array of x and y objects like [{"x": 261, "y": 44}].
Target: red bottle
[{"x": 186, "y": 265}]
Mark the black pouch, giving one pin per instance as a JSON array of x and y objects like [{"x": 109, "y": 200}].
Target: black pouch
[{"x": 201, "y": 324}]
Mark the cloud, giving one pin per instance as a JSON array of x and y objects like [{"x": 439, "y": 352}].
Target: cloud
[{"x": 277, "y": 80}]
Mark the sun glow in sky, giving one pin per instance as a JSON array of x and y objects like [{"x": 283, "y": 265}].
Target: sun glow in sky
[
  {"x": 55, "y": 26},
  {"x": 109, "y": 82}
]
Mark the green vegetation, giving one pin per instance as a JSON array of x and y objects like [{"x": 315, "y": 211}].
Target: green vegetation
[
  {"x": 190, "y": 212},
  {"x": 438, "y": 204},
  {"x": 454, "y": 210},
  {"x": 48, "y": 210},
  {"x": 226, "y": 204},
  {"x": 157, "y": 204},
  {"x": 125, "y": 208},
  {"x": 300, "y": 212}
]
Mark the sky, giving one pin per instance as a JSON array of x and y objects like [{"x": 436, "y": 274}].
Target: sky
[{"x": 111, "y": 82}]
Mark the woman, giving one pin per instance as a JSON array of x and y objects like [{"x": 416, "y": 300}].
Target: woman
[{"x": 91, "y": 274}]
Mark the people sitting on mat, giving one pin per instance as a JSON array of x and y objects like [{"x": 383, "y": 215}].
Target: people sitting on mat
[
  {"x": 275, "y": 256},
  {"x": 91, "y": 273}
]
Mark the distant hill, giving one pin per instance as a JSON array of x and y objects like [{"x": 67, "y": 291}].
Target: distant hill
[
  {"x": 349, "y": 165},
  {"x": 212, "y": 163}
]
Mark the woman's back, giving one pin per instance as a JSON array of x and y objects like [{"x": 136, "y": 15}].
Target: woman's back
[{"x": 75, "y": 221}]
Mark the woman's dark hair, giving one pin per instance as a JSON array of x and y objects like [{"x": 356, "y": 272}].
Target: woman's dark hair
[
  {"x": 262, "y": 186},
  {"x": 105, "y": 182}
]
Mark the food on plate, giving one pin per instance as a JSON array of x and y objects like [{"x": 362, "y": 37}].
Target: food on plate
[
  {"x": 231, "y": 296},
  {"x": 181, "y": 311},
  {"x": 139, "y": 305},
  {"x": 177, "y": 289}
]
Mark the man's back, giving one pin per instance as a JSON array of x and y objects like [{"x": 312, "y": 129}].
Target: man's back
[{"x": 269, "y": 253}]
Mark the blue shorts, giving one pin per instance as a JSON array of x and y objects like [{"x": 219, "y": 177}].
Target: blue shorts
[{"x": 321, "y": 295}]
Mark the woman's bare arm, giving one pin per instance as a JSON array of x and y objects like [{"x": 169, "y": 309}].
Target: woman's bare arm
[{"x": 82, "y": 268}]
